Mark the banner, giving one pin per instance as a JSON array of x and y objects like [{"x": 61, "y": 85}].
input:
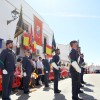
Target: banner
[{"x": 38, "y": 30}]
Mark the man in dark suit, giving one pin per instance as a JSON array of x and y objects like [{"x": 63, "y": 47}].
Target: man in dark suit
[
  {"x": 74, "y": 70},
  {"x": 46, "y": 65},
  {"x": 27, "y": 68},
  {"x": 56, "y": 60},
  {"x": 7, "y": 64}
]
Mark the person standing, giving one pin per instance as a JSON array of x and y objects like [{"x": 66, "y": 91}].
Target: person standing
[
  {"x": 56, "y": 60},
  {"x": 7, "y": 64},
  {"x": 27, "y": 69},
  {"x": 46, "y": 65},
  {"x": 40, "y": 70},
  {"x": 74, "y": 69},
  {"x": 82, "y": 68},
  {"x": 80, "y": 61}
]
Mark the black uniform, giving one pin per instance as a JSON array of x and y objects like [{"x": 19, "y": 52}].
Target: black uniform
[
  {"x": 28, "y": 69},
  {"x": 82, "y": 69},
  {"x": 7, "y": 62},
  {"x": 56, "y": 59},
  {"x": 46, "y": 71},
  {"x": 74, "y": 74}
]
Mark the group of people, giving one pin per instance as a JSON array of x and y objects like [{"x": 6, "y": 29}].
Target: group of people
[
  {"x": 31, "y": 69},
  {"x": 28, "y": 68},
  {"x": 76, "y": 69}
]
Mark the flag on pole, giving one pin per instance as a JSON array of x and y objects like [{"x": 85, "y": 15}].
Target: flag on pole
[
  {"x": 20, "y": 25},
  {"x": 53, "y": 44},
  {"x": 38, "y": 30},
  {"x": 33, "y": 47},
  {"x": 49, "y": 50},
  {"x": 26, "y": 41},
  {"x": 32, "y": 42}
]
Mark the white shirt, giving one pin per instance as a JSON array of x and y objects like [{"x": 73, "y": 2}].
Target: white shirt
[
  {"x": 34, "y": 64},
  {"x": 39, "y": 64}
]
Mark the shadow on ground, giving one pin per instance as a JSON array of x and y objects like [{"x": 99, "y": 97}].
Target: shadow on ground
[
  {"x": 23, "y": 97},
  {"x": 59, "y": 97},
  {"x": 85, "y": 96},
  {"x": 47, "y": 88},
  {"x": 90, "y": 85},
  {"x": 87, "y": 89}
]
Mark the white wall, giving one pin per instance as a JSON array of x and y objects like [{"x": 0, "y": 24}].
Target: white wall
[{"x": 8, "y": 31}]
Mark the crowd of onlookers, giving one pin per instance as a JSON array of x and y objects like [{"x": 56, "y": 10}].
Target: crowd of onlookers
[{"x": 39, "y": 72}]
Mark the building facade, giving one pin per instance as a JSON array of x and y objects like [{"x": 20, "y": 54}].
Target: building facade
[{"x": 8, "y": 31}]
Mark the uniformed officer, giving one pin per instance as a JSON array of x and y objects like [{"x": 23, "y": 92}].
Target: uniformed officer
[
  {"x": 46, "y": 65},
  {"x": 82, "y": 68},
  {"x": 74, "y": 69},
  {"x": 80, "y": 61},
  {"x": 56, "y": 60},
  {"x": 27, "y": 68},
  {"x": 7, "y": 64}
]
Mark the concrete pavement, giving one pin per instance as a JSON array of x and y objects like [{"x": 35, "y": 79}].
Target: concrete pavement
[{"x": 91, "y": 90}]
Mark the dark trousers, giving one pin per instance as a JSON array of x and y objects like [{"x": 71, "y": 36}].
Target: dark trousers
[
  {"x": 39, "y": 73},
  {"x": 7, "y": 85},
  {"x": 83, "y": 69},
  {"x": 56, "y": 79},
  {"x": 75, "y": 83},
  {"x": 46, "y": 78},
  {"x": 79, "y": 81},
  {"x": 26, "y": 81}
]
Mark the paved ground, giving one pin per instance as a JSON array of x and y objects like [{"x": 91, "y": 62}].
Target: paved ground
[{"x": 91, "y": 90}]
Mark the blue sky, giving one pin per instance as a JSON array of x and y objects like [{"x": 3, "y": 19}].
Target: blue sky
[{"x": 73, "y": 20}]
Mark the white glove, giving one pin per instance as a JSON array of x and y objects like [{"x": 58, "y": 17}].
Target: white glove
[
  {"x": 47, "y": 72},
  {"x": 76, "y": 66},
  {"x": 55, "y": 66},
  {"x": 78, "y": 59},
  {"x": 24, "y": 74},
  {"x": 5, "y": 72}
]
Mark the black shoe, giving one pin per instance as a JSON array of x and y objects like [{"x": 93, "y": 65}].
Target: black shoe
[
  {"x": 80, "y": 91},
  {"x": 81, "y": 86},
  {"x": 26, "y": 92},
  {"x": 46, "y": 85},
  {"x": 57, "y": 91},
  {"x": 83, "y": 82}
]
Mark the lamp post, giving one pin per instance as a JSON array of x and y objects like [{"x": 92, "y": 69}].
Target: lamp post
[{"x": 14, "y": 14}]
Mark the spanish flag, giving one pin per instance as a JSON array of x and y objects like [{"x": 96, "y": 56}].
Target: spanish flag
[
  {"x": 49, "y": 50},
  {"x": 26, "y": 41}
]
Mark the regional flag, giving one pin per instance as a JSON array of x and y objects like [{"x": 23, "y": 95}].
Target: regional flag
[
  {"x": 38, "y": 30},
  {"x": 20, "y": 25},
  {"x": 49, "y": 50}
]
